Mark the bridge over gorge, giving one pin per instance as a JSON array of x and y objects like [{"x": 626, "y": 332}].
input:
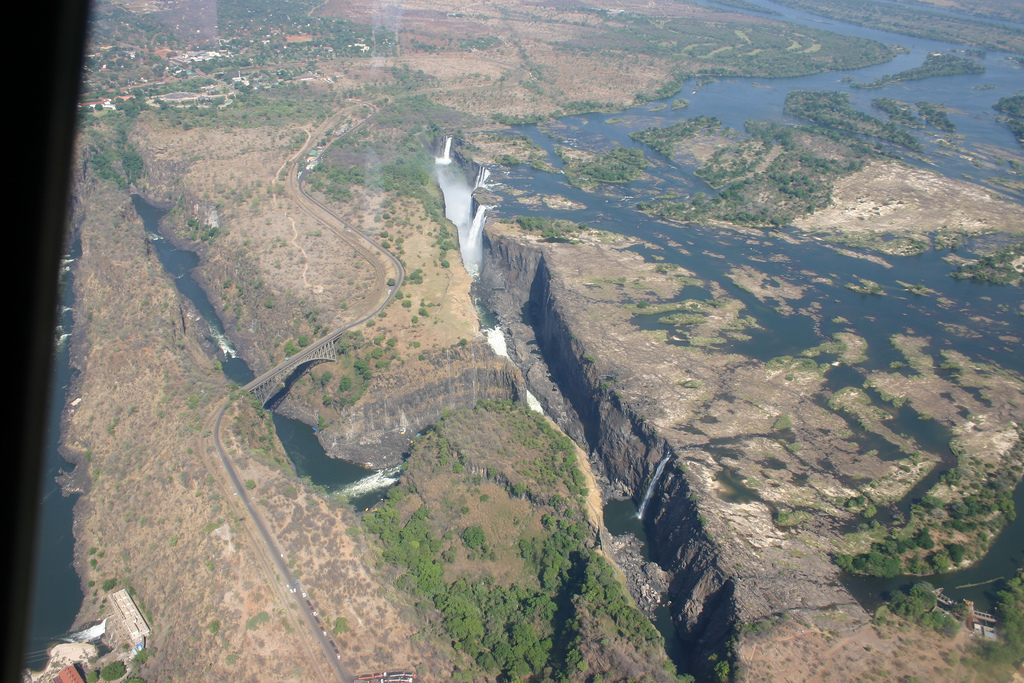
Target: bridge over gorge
[
  {"x": 323, "y": 351},
  {"x": 384, "y": 263}
]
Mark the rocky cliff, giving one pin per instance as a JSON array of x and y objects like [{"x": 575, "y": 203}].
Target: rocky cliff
[
  {"x": 617, "y": 390},
  {"x": 400, "y": 402}
]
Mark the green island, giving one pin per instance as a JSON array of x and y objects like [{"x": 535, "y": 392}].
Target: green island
[
  {"x": 833, "y": 109},
  {"x": 663, "y": 140},
  {"x": 935, "y": 64},
  {"x": 936, "y": 116},
  {"x": 1004, "y": 266},
  {"x": 899, "y": 112},
  {"x": 774, "y": 175},
  {"x": 1013, "y": 107},
  {"x": 620, "y": 165}
]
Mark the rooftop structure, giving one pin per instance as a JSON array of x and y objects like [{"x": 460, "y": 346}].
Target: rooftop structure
[
  {"x": 130, "y": 616},
  {"x": 69, "y": 674}
]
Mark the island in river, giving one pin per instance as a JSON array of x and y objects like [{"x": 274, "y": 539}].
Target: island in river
[{"x": 761, "y": 391}]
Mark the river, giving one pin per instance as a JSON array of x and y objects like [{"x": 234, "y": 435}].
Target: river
[
  {"x": 58, "y": 596},
  {"x": 972, "y": 324}
]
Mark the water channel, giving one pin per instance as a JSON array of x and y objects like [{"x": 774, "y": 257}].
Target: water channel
[
  {"x": 987, "y": 310},
  {"x": 967, "y": 316}
]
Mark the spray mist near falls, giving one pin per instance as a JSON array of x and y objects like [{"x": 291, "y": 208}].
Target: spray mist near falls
[{"x": 461, "y": 209}]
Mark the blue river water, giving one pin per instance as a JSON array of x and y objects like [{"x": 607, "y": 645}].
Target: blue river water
[
  {"x": 985, "y": 309},
  {"x": 973, "y": 324}
]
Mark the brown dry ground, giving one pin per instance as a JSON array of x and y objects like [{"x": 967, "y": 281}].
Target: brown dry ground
[
  {"x": 525, "y": 36},
  {"x": 145, "y": 387},
  {"x": 158, "y": 513},
  {"x": 151, "y": 502},
  {"x": 887, "y": 198},
  {"x": 801, "y": 652},
  {"x": 327, "y": 552},
  {"x": 152, "y": 508}
]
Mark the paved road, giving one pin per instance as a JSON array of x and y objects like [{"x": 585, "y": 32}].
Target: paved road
[
  {"x": 277, "y": 559},
  {"x": 383, "y": 262}
]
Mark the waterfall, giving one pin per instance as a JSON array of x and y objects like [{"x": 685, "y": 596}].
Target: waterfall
[
  {"x": 461, "y": 209},
  {"x": 481, "y": 178},
  {"x": 473, "y": 248},
  {"x": 650, "y": 487},
  {"x": 446, "y": 156},
  {"x": 89, "y": 634}
]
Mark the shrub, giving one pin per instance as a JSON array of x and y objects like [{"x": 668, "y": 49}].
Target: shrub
[{"x": 113, "y": 671}]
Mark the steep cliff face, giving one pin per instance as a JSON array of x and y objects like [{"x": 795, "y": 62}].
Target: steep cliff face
[
  {"x": 517, "y": 285},
  {"x": 605, "y": 384},
  {"x": 401, "y": 402}
]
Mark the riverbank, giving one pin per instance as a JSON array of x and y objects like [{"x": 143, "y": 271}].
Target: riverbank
[{"x": 62, "y": 655}]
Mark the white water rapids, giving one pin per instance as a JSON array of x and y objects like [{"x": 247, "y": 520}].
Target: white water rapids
[{"x": 87, "y": 635}]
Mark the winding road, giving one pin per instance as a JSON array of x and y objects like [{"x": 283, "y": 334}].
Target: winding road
[{"x": 272, "y": 560}]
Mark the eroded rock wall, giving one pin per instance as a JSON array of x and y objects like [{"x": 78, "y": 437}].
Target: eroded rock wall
[
  {"x": 411, "y": 397},
  {"x": 727, "y": 563}
]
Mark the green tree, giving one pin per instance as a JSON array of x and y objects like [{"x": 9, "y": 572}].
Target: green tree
[
  {"x": 473, "y": 537},
  {"x": 113, "y": 671}
]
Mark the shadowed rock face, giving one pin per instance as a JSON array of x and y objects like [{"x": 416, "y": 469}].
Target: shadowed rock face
[
  {"x": 413, "y": 397},
  {"x": 727, "y": 563}
]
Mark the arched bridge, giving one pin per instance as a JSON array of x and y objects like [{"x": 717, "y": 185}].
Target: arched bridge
[
  {"x": 325, "y": 349},
  {"x": 267, "y": 384}
]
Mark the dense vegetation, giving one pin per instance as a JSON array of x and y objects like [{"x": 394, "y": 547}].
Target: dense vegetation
[
  {"x": 620, "y": 165},
  {"x": 946, "y": 532},
  {"x": 917, "y": 604},
  {"x": 488, "y": 527},
  {"x": 776, "y": 174},
  {"x": 912, "y": 21},
  {"x": 663, "y": 140},
  {"x": 996, "y": 268},
  {"x": 251, "y": 108},
  {"x": 935, "y": 64},
  {"x": 936, "y": 116},
  {"x": 899, "y": 112},
  {"x": 112, "y": 157},
  {"x": 1013, "y": 107},
  {"x": 1008, "y": 652},
  {"x": 551, "y": 229},
  {"x": 833, "y": 109}
]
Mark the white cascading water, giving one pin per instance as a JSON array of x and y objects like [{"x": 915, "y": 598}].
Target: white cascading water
[
  {"x": 473, "y": 247},
  {"x": 458, "y": 208},
  {"x": 374, "y": 482},
  {"x": 496, "y": 338},
  {"x": 89, "y": 634},
  {"x": 446, "y": 156},
  {"x": 481, "y": 178},
  {"x": 650, "y": 487}
]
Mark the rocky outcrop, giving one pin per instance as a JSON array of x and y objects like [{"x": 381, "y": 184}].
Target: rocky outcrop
[
  {"x": 727, "y": 563},
  {"x": 647, "y": 581},
  {"x": 399, "y": 403}
]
